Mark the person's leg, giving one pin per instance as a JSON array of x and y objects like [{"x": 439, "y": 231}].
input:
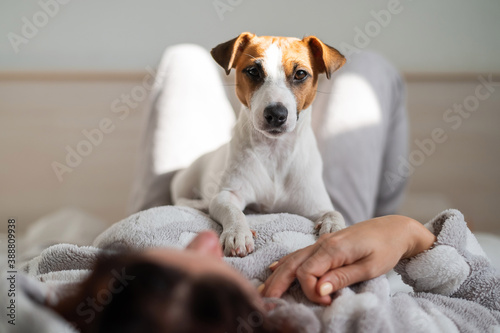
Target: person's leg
[
  {"x": 188, "y": 115},
  {"x": 359, "y": 118}
]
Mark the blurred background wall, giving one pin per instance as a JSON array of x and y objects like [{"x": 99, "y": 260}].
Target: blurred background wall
[
  {"x": 430, "y": 36},
  {"x": 64, "y": 63}
]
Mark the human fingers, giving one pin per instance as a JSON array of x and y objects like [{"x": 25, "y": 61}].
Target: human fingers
[
  {"x": 206, "y": 242},
  {"x": 308, "y": 283},
  {"x": 329, "y": 254},
  {"x": 283, "y": 275},
  {"x": 345, "y": 276},
  {"x": 273, "y": 266}
]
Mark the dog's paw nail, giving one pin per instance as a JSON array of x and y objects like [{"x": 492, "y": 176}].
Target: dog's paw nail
[
  {"x": 237, "y": 243},
  {"x": 330, "y": 228},
  {"x": 254, "y": 233},
  {"x": 241, "y": 252}
]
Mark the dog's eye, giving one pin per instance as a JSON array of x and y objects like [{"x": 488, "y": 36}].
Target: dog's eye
[
  {"x": 253, "y": 72},
  {"x": 300, "y": 75}
]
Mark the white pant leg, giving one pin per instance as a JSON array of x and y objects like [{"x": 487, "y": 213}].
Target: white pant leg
[
  {"x": 188, "y": 115},
  {"x": 359, "y": 117}
]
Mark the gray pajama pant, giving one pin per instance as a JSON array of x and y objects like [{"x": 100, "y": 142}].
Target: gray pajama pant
[{"x": 359, "y": 118}]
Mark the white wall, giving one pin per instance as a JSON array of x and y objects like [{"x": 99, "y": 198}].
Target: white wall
[{"x": 426, "y": 35}]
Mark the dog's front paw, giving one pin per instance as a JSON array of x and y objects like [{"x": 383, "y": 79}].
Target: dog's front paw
[
  {"x": 237, "y": 242},
  {"x": 330, "y": 222}
]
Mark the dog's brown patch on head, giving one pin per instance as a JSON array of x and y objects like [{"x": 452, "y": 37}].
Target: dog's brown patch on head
[
  {"x": 246, "y": 52},
  {"x": 252, "y": 57},
  {"x": 297, "y": 60},
  {"x": 296, "y": 55},
  {"x": 327, "y": 58}
]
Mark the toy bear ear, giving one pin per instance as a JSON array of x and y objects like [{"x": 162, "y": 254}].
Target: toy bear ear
[
  {"x": 227, "y": 53},
  {"x": 327, "y": 58}
]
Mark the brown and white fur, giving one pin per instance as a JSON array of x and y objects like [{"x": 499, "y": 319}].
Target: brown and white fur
[{"x": 272, "y": 163}]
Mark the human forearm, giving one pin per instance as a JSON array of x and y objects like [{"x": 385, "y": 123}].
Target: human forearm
[
  {"x": 360, "y": 252},
  {"x": 420, "y": 240}
]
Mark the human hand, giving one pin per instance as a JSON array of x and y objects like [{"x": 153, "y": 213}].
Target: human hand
[{"x": 358, "y": 253}]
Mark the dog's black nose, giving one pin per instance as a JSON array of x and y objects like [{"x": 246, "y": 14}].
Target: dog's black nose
[{"x": 276, "y": 114}]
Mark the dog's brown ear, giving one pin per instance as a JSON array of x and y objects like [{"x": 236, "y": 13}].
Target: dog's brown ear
[
  {"x": 227, "y": 53},
  {"x": 327, "y": 57}
]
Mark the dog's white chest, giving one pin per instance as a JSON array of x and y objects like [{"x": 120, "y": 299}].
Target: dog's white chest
[{"x": 273, "y": 182}]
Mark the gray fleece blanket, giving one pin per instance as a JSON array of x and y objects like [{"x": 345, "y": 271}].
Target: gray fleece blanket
[{"x": 455, "y": 287}]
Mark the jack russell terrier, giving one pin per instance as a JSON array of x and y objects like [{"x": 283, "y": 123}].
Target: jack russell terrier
[{"x": 272, "y": 163}]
